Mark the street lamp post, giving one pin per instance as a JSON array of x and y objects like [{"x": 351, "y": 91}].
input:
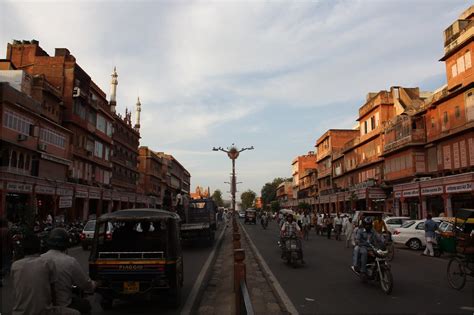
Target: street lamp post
[{"x": 233, "y": 153}]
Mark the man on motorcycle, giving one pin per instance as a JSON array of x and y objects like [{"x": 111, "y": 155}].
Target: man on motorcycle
[
  {"x": 69, "y": 273},
  {"x": 291, "y": 228},
  {"x": 364, "y": 238}
]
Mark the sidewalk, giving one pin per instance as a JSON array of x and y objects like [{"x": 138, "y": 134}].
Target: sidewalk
[{"x": 218, "y": 297}]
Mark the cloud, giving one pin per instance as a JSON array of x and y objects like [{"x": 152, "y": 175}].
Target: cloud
[{"x": 273, "y": 74}]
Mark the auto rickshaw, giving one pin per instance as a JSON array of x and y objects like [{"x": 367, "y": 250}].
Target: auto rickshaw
[
  {"x": 446, "y": 235},
  {"x": 250, "y": 216},
  {"x": 140, "y": 257}
]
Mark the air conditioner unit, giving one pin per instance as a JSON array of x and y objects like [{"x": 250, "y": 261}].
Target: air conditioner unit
[
  {"x": 42, "y": 146},
  {"x": 76, "y": 92},
  {"x": 22, "y": 137}
]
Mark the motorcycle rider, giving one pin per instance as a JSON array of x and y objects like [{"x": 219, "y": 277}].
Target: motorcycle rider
[
  {"x": 291, "y": 228},
  {"x": 264, "y": 218},
  {"x": 364, "y": 237},
  {"x": 69, "y": 273}
]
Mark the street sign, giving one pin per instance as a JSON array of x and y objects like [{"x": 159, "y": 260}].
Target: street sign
[{"x": 65, "y": 202}]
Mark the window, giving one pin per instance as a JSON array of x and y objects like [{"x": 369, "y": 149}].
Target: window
[
  {"x": 432, "y": 122},
  {"x": 90, "y": 145},
  {"x": 107, "y": 153},
  {"x": 365, "y": 127},
  {"x": 101, "y": 124},
  {"x": 17, "y": 122},
  {"x": 454, "y": 70},
  {"x": 109, "y": 129},
  {"x": 79, "y": 109},
  {"x": 92, "y": 118},
  {"x": 460, "y": 64},
  {"x": 52, "y": 137},
  {"x": 98, "y": 149},
  {"x": 445, "y": 118},
  {"x": 372, "y": 123},
  {"x": 467, "y": 59},
  {"x": 457, "y": 113}
]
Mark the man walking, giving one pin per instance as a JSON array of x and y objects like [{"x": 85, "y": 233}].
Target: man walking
[
  {"x": 338, "y": 226},
  {"x": 348, "y": 230},
  {"x": 430, "y": 235}
]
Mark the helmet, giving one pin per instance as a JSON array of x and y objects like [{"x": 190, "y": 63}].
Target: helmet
[
  {"x": 58, "y": 239},
  {"x": 368, "y": 223}
]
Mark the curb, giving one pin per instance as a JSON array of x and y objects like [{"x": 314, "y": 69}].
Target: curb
[
  {"x": 270, "y": 277},
  {"x": 192, "y": 302}
]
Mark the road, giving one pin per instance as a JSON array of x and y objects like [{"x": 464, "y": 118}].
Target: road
[
  {"x": 327, "y": 285},
  {"x": 194, "y": 257}
]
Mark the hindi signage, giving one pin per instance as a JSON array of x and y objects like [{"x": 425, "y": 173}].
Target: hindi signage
[
  {"x": 436, "y": 190},
  {"x": 82, "y": 194},
  {"x": 44, "y": 190},
  {"x": 19, "y": 187},
  {"x": 65, "y": 202},
  {"x": 455, "y": 188},
  {"x": 93, "y": 194},
  {"x": 64, "y": 192},
  {"x": 411, "y": 193}
]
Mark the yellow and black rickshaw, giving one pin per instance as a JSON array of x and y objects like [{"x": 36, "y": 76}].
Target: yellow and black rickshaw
[{"x": 140, "y": 257}]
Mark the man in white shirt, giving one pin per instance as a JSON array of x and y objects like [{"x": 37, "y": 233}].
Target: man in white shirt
[
  {"x": 69, "y": 273},
  {"x": 338, "y": 226},
  {"x": 34, "y": 279}
]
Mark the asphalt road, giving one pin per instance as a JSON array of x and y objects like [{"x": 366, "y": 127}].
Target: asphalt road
[
  {"x": 327, "y": 285},
  {"x": 194, "y": 257}
]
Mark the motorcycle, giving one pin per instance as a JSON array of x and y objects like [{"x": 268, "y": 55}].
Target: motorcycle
[
  {"x": 378, "y": 269},
  {"x": 264, "y": 222},
  {"x": 291, "y": 250}
]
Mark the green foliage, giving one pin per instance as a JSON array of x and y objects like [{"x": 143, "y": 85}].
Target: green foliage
[
  {"x": 268, "y": 191},
  {"x": 275, "y": 206},
  {"x": 217, "y": 197},
  {"x": 247, "y": 198},
  {"x": 304, "y": 206}
]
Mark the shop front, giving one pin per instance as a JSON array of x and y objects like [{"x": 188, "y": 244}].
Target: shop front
[
  {"x": 45, "y": 201},
  {"x": 439, "y": 196},
  {"x": 107, "y": 202},
  {"x": 81, "y": 203},
  {"x": 64, "y": 198},
  {"x": 95, "y": 205},
  {"x": 19, "y": 201}
]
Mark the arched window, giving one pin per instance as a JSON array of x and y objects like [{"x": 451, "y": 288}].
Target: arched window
[
  {"x": 21, "y": 161},
  {"x": 13, "y": 159}
]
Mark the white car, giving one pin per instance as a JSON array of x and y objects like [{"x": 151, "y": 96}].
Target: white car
[
  {"x": 395, "y": 222},
  {"x": 411, "y": 234}
]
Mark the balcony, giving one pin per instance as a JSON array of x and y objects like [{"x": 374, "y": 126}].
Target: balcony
[
  {"x": 457, "y": 33},
  {"x": 415, "y": 137},
  {"x": 324, "y": 172},
  {"x": 350, "y": 144}
]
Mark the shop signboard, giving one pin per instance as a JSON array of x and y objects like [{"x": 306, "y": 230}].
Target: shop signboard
[
  {"x": 458, "y": 188},
  {"x": 82, "y": 194},
  {"x": 107, "y": 195},
  {"x": 435, "y": 190},
  {"x": 398, "y": 194},
  {"x": 44, "y": 190},
  {"x": 377, "y": 195},
  {"x": 333, "y": 198},
  {"x": 64, "y": 192},
  {"x": 411, "y": 193},
  {"x": 65, "y": 202},
  {"x": 19, "y": 187},
  {"x": 116, "y": 196},
  {"x": 94, "y": 194}
]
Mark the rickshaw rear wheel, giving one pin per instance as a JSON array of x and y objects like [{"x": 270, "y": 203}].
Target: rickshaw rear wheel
[
  {"x": 175, "y": 294},
  {"x": 106, "y": 304},
  {"x": 456, "y": 273}
]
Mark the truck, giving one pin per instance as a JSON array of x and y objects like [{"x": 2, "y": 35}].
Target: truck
[{"x": 198, "y": 220}]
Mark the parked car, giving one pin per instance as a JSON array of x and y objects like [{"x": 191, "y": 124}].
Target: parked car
[
  {"x": 241, "y": 214},
  {"x": 395, "y": 222},
  {"x": 87, "y": 235},
  {"x": 412, "y": 233}
]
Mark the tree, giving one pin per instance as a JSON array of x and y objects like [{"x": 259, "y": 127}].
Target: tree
[
  {"x": 304, "y": 206},
  {"x": 247, "y": 198},
  {"x": 268, "y": 191},
  {"x": 217, "y": 197},
  {"x": 275, "y": 205}
]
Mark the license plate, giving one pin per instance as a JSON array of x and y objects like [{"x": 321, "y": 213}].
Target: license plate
[{"x": 131, "y": 287}]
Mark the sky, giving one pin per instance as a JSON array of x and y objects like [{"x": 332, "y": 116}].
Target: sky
[{"x": 273, "y": 75}]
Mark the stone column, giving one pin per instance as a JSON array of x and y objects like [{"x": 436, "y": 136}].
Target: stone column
[
  {"x": 448, "y": 211},
  {"x": 424, "y": 210},
  {"x": 85, "y": 210}
]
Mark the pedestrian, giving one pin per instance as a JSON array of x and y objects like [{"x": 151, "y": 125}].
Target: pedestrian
[
  {"x": 338, "y": 226},
  {"x": 348, "y": 230},
  {"x": 306, "y": 222},
  {"x": 33, "y": 281},
  {"x": 430, "y": 235},
  {"x": 320, "y": 224},
  {"x": 69, "y": 273},
  {"x": 329, "y": 225}
]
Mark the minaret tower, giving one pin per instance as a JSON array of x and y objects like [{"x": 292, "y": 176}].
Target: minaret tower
[
  {"x": 138, "y": 109},
  {"x": 113, "y": 90}
]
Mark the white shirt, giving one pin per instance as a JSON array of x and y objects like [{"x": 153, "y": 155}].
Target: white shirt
[
  {"x": 32, "y": 279},
  {"x": 69, "y": 273},
  {"x": 337, "y": 221}
]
